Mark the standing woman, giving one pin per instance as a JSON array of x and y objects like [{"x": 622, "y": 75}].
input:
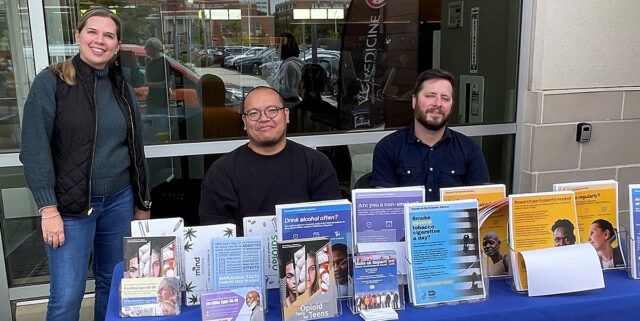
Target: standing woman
[{"x": 84, "y": 163}]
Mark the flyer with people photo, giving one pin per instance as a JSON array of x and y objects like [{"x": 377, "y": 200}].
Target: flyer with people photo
[
  {"x": 597, "y": 211},
  {"x": 307, "y": 280},
  {"x": 538, "y": 221},
  {"x": 322, "y": 219}
]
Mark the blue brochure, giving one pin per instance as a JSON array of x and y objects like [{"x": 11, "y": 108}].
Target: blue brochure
[
  {"x": 634, "y": 215},
  {"x": 375, "y": 277},
  {"x": 237, "y": 263},
  {"x": 322, "y": 219},
  {"x": 443, "y": 252}
]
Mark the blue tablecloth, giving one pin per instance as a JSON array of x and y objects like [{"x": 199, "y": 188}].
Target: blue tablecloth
[{"x": 619, "y": 300}]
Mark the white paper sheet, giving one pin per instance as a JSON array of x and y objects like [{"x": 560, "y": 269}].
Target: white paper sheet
[{"x": 563, "y": 269}]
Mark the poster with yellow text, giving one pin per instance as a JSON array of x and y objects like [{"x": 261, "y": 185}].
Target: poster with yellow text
[
  {"x": 597, "y": 211},
  {"x": 533, "y": 221}
]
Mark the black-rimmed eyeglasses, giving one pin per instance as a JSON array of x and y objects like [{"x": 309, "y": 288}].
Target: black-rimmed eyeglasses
[{"x": 270, "y": 112}]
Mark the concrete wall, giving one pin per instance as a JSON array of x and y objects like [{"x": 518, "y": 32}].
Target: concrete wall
[{"x": 584, "y": 68}]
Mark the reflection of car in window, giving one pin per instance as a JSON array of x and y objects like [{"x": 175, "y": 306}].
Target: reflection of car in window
[
  {"x": 230, "y": 60},
  {"x": 252, "y": 63},
  {"x": 132, "y": 61}
]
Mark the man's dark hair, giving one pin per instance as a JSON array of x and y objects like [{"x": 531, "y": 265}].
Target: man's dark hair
[
  {"x": 432, "y": 74},
  {"x": 340, "y": 247},
  {"x": 262, "y": 87},
  {"x": 605, "y": 225},
  {"x": 568, "y": 226},
  {"x": 288, "y": 46}
]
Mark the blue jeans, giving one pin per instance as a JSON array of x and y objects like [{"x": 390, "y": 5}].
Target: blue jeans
[{"x": 102, "y": 232}]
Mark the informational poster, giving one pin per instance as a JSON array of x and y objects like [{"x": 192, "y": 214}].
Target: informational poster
[
  {"x": 634, "y": 216},
  {"x": 317, "y": 219},
  {"x": 307, "y": 280},
  {"x": 443, "y": 252},
  {"x": 266, "y": 227},
  {"x": 378, "y": 216},
  {"x": 237, "y": 263},
  {"x": 376, "y": 281},
  {"x": 532, "y": 218},
  {"x": 197, "y": 258},
  {"x": 493, "y": 216},
  {"x": 597, "y": 211},
  {"x": 244, "y": 304}
]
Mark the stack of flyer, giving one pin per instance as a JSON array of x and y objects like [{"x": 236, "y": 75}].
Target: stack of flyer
[
  {"x": 172, "y": 226},
  {"x": 634, "y": 217},
  {"x": 151, "y": 286},
  {"x": 266, "y": 227},
  {"x": 307, "y": 283},
  {"x": 443, "y": 253},
  {"x": 317, "y": 219},
  {"x": 377, "y": 294},
  {"x": 197, "y": 258},
  {"x": 532, "y": 218},
  {"x": 493, "y": 213},
  {"x": 597, "y": 212},
  {"x": 378, "y": 220}
]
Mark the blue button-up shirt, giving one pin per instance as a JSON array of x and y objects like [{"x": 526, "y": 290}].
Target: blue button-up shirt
[{"x": 401, "y": 159}]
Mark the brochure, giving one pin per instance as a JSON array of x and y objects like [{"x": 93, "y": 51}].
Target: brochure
[
  {"x": 266, "y": 227},
  {"x": 171, "y": 226},
  {"x": 485, "y": 194},
  {"x": 243, "y": 304},
  {"x": 597, "y": 212},
  {"x": 538, "y": 221},
  {"x": 376, "y": 281},
  {"x": 494, "y": 227},
  {"x": 378, "y": 219},
  {"x": 237, "y": 263},
  {"x": 316, "y": 219},
  {"x": 307, "y": 283},
  {"x": 151, "y": 256},
  {"x": 634, "y": 217},
  {"x": 153, "y": 296},
  {"x": 443, "y": 252},
  {"x": 493, "y": 215},
  {"x": 157, "y": 227},
  {"x": 197, "y": 258}
]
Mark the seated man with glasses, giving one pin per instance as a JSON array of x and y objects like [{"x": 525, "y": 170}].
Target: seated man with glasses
[{"x": 269, "y": 170}]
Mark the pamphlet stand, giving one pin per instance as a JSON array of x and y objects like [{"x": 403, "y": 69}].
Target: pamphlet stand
[
  {"x": 576, "y": 267},
  {"x": 310, "y": 313},
  {"x": 376, "y": 284},
  {"x": 509, "y": 279},
  {"x": 241, "y": 303},
  {"x": 630, "y": 254},
  {"x": 141, "y": 297},
  {"x": 471, "y": 289}
]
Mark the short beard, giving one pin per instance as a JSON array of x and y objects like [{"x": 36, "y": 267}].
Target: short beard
[
  {"x": 270, "y": 142},
  {"x": 422, "y": 119}
]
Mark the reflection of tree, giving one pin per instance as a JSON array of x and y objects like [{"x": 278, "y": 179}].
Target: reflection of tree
[
  {"x": 137, "y": 28},
  {"x": 233, "y": 28}
]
